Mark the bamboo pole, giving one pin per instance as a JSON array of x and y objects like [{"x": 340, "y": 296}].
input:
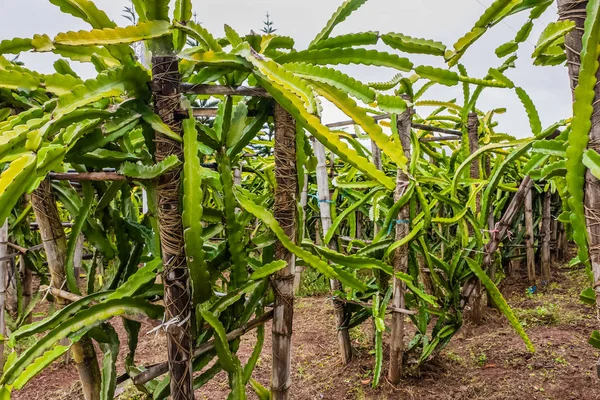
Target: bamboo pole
[
  {"x": 341, "y": 317},
  {"x": 472, "y": 131},
  {"x": 286, "y": 194},
  {"x": 546, "y": 230},
  {"x": 177, "y": 298},
  {"x": 529, "y": 239},
  {"x": 400, "y": 256}
]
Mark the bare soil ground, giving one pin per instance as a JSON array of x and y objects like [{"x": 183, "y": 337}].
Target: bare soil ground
[{"x": 488, "y": 361}]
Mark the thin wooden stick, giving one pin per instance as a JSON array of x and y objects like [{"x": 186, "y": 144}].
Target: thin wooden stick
[
  {"x": 440, "y": 139},
  {"x": 390, "y": 308},
  {"x": 86, "y": 176},
  {"x": 422, "y": 127},
  {"x": 501, "y": 229},
  {"x": 157, "y": 370},
  {"x": 529, "y": 239}
]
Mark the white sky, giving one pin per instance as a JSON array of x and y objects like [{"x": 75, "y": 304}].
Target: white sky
[{"x": 442, "y": 20}]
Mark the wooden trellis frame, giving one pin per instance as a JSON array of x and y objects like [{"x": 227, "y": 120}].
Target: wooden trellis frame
[{"x": 283, "y": 309}]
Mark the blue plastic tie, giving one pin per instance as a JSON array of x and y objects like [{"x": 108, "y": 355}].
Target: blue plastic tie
[
  {"x": 326, "y": 201},
  {"x": 397, "y": 222}
]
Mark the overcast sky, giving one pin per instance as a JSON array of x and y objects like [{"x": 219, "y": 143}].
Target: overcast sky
[{"x": 442, "y": 20}]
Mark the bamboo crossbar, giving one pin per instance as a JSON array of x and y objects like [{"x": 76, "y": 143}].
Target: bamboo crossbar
[
  {"x": 63, "y": 294},
  {"x": 222, "y": 90},
  {"x": 157, "y": 370}
]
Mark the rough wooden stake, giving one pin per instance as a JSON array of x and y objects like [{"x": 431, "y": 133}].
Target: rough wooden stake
[
  {"x": 178, "y": 301},
  {"x": 529, "y": 239},
  {"x": 55, "y": 245},
  {"x": 286, "y": 194},
  {"x": 554, "y": 229},
  {"x": 400, "y": 257},
  {"x": 26, "y": 281},
  {"x": 472, "y": 131},
  {"x": 546, "y": 229}
]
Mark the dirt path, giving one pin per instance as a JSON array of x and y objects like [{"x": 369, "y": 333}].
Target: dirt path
[{"x": 481, "y": 362}]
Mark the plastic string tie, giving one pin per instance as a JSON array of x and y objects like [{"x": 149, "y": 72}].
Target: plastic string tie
[{"x": 397, "y": 222}]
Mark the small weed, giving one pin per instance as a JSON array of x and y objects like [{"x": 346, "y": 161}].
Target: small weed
[
  {"x": 548, "y": 314},
  {"x": 313, "y": 283},
  {"x": 454, "y": 357},
  {"x": 561, "y": 361},
  {"x": 480, "y": 359}
]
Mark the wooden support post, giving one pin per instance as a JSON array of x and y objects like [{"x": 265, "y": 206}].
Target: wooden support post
[
  {"x": 26, "y": 280},
  {"x": 472, "y": 131},
  {"x": 3, "y": 270},
  {"x": 55, "y": 246},
  {"x": 341, "y": 317},
  {"x": 562, "y": 242},
  {"x": 177, "y": 299},
  {"x": 400, "y": 256},
  {"x": 286, "y": 195},
  {"x": 529, "y": 238},
  {"x": 491, "y": 226},
  {"x": 576, "y": 11},
  {"x": 554, "y": 229},
  {"x": 546, "y": 229}
]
